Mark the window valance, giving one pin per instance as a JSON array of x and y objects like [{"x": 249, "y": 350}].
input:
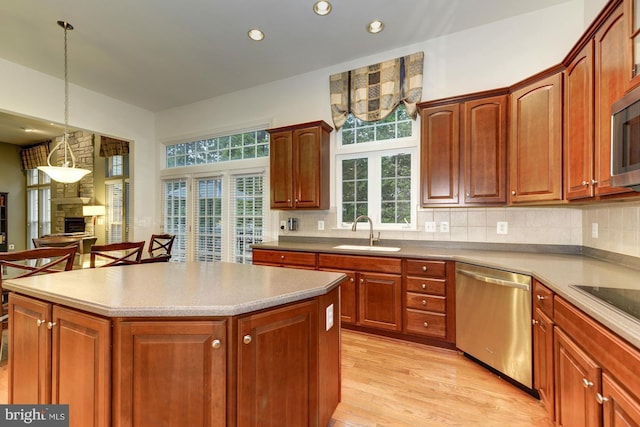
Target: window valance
[
  {"x": 35, "y": 156},
  {"x": 113, "y": 147},
  {"x": 372, "y": 92}
]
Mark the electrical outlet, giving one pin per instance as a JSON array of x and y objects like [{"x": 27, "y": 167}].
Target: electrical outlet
[
  {"x": 594, "y": 230},
  {"x": 320, "y": 225},
  {"x": 502, "y": 227},
  {"x": 430, "y": 227},
  {"x": 329, "y": 316},
  {"x": 444, "y": 227},
  {"x": 11, "y": 246},
  {"x": 283, "y": 225}
]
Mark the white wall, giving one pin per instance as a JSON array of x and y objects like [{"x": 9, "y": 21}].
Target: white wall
[{"x": 30, "y": 93}]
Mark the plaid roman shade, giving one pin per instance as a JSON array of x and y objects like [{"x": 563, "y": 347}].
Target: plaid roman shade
[
  {"x": 371, "y": 93},
  {"x": 113, "y": 147},
  {"x": 35, "y": 156}
]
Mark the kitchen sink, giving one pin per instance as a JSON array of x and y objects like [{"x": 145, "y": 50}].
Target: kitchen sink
[{"x": 367, "y": 248}]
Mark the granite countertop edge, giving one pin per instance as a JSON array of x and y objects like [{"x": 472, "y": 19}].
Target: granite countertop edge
[{"x": 556, "y": 270}]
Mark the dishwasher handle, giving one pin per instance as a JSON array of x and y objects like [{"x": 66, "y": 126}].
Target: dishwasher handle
[{"x": 493, "y": 280}]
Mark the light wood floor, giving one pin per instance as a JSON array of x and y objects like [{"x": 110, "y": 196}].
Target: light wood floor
[{"x": 387, "y": 382}]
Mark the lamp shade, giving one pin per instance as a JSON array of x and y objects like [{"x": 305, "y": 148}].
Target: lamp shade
[
  {"x": 64, "y": 174},
  {"x": 93, "y": 210}
]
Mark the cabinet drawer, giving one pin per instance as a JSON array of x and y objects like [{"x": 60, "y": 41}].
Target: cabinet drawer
[
  {"x": 361, "y": 263},
  {"x": 306, "y": 259},
  {"x": 426, "y": 302},
  {"x": 426, "y": 323},
  {"x": 543, "y": 298},
  {"x": 418, "y": 267},
  {"x": 426, "y": 286}
]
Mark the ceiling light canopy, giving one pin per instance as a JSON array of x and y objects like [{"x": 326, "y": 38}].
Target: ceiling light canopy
[
  {"x": 375, "y": 27},
  {"x": 255, "y": 34},
  {"x": 67, "y": 173},
  {"x": 322, "y": 7}
]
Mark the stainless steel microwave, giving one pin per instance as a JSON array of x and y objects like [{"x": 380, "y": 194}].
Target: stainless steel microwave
[{"x": 625, "y": 141}]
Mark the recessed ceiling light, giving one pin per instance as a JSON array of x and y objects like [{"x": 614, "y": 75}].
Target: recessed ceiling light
[
  {"x": 255, "y": 34},
  {"x": 322, "y": 7},
  {"x": 375, "y": 27}
]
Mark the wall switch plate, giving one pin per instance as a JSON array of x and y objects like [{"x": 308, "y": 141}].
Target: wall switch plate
[
  {"x": 283, "y": 225},
  {"x": 444, "y": 227},
  {"x": 430, "y": 227},
  {"x": 502, "y": 227},
  {"x": 329, "y": 316},
  {"x": 320, "y": 225},
  {"x": 594, "y": 230}
]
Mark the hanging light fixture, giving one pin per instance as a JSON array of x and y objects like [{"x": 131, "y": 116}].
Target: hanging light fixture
[{"x": 67, "y": 173}]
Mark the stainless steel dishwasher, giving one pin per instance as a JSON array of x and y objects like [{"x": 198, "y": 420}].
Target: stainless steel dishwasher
[{"x": 493, "y": 320}]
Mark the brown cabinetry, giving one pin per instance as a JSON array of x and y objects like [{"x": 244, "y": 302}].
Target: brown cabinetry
[
  {"x": 153, "y": 356},
  {"x": 49, "y": 344},
  {"x": 429, "y": 299},
  {"x": 535, "y": 145},
  {"x": 463, "y": 150},
  {"x": 303, "y": 260},
  {"x": 378, "y": 288},
  {"x": 4, "y": 222},
  {"x": 299, "y": 166},
  {"x": 543, "y": 357}
]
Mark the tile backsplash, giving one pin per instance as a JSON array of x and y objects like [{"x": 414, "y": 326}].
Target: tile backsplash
[{"x": 618, "y": 226}]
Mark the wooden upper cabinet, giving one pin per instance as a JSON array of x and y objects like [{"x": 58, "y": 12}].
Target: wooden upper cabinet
[
  {"x": 299, "y": 166},
  {"x": 612, "y": 80},
  {"x": 535, "y": 145},
  {"x": 632, "y": 18},
  {"x": 484, "y": 150},
  {"x": 440, "y": 154},
  {"x": 578, "y": 125}
]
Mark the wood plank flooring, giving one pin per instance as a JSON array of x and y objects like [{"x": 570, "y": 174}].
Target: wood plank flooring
[{"x": 387, "y": 382}]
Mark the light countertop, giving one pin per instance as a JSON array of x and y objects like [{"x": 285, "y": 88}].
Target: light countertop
[
  {"x": 176, "y": 289},
  {"x": 556, "y": 271}
]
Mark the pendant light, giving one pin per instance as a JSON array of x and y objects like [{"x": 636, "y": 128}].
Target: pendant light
[{"x": 67, "y": 172}]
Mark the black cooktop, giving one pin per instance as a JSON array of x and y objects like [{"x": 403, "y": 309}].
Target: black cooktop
[{"x": 625, "y": 300}]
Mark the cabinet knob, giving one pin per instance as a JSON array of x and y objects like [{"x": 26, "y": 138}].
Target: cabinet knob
[
  {"x": 351, "y": 280},
  {"x": 424, "y": 302},
  {"x": 216, "y": 344},
  {"x": 424, "y": 268},
  {"x": 425, "y": 324},
  {"x": 534, "y": 322},
  {"x": 288, "y": 200},
  {"x": 246, "y": 339},
  {"x": 40, "y": 322},
  {"x": 585, "y": 183},
  {"x": 586, "y": 383},
  {"x": 594, "y": 182},
  {"x": 362, "y": 281},
  {"x": 282, "y": 257},
  {"x": 424, "y": 286},
  {"x": 601, "y": 399},
  {"x": 513, "y": 192},
  {"x": 540, "y": 297},
  {"x": 50, "y": 325}
]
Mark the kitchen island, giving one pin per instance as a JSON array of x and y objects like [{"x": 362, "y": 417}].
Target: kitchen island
[{"x": 175, "y": 344}]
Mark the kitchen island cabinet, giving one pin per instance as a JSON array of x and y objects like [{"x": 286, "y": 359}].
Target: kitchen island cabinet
[{"x": 198, "y": 344}]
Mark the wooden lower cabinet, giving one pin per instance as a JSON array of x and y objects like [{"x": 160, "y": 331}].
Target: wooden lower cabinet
[
  {"x": 60, "y": 356},
  {"x": 543, "y": 356},
  {"x": 620, "y": 409},
  {"x": 170, "y": 373},
  {"x": 302, "y": 260}
]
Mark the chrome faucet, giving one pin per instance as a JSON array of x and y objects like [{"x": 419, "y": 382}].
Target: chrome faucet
[{"x": 372, "y": 239}]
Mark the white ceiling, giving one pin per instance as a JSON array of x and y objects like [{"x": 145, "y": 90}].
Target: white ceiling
[{"x": 158, "y": 54}]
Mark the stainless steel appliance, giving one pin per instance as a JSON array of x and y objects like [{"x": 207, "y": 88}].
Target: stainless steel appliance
[
  {"x": 493, "y": 320},
  {"x": 625, "y": 141}
]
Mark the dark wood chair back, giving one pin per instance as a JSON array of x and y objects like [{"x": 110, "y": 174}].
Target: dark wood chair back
[
  {"x": 160, "y": 244},
  {"x": 113, "y": 254}
]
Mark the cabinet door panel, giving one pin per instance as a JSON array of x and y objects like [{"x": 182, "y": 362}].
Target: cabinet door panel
[
  {"x": 485, "y": 150},
  {"x": 440, "y": 155},
  {"x": 29, "y": 351},
  {"x": 277, "y": 367},
  {"x": 543, "y": 359},
  {"x": 536, "y": 141},
  {"x": 379, "y": 303},
  {"x": 82, "y": 340},
  {"x": 306, "y": 167},
  {"x": 280, "y": 158},
  {"x": 180, "y": 376},
  {"x": 620, "y": 409}
]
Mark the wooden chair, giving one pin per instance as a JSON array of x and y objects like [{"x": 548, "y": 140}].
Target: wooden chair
[
  {"x": 31, "y": 262},
  {"x": 160, "y": 244},
  {"x": 125, "y": 253}
]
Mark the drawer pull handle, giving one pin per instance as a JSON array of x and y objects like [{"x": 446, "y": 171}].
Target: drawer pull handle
[
  {"x": 246, "y": 339},
  {"x": 601, "y": 399},
  {"x": 424, "y": 268},
  {"x": 425, "y": 324},
  {"x": 424, "y": 302},
  {"x": 216, "y": 344},
  {"x": 424, "y": 286},
  {"x": 586, "y": 383}
]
